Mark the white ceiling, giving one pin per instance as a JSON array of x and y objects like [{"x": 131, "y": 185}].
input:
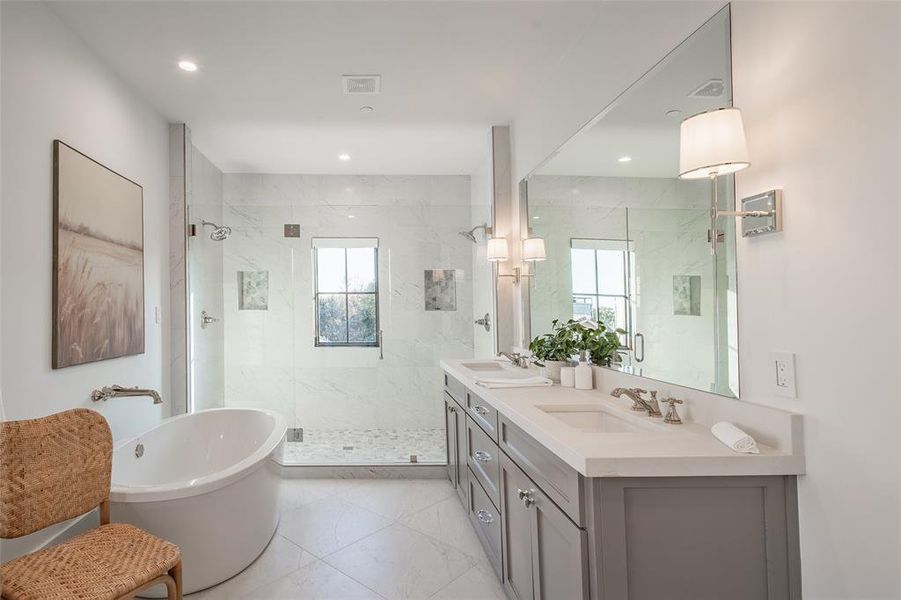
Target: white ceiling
[
  {"x": 268, "y": 98},
  {"x": 637, "y": 125}
]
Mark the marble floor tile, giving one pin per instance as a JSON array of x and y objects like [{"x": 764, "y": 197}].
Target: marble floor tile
[
  {"x": 400, "y": 563},
  {"x": 279, "y": 558},
  {"x": 445, "y": 521},
  {"x": 316, "y": 581},
  {"x": 297, "y": 492},
  {"x": 475, "y": 584},
  {"x": 414, "y": 541},
  {"x": 329, "y": 524},
  {"x": 394, "y": 499}
]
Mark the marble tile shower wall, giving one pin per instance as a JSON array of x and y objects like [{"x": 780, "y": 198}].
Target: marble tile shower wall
[
  {"x": 206, "y": 366},
  {"x": 270, "y": 357}
]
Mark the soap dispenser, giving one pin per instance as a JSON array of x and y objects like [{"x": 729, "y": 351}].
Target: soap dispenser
[{"x": 584, "y": 374}]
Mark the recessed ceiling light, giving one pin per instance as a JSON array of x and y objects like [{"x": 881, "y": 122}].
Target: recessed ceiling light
[
  {"x": 187, "y": 65},
  {"x": 674, "y": 113},
  {"x": 624, "y": 159},
  {"x": 344, "y": 156},
  {"x": 366, "y": 109},
  {"x": 536, "y": 217},
  {"x": 351, "y": 217}
]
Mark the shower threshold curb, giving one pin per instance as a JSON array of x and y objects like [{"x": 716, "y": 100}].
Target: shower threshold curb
[{"x": 397, "y": 471}]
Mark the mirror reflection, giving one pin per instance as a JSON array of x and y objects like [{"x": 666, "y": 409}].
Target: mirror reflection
[{"x": 627, "y": 241}]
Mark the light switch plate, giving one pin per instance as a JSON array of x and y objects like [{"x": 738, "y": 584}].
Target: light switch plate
[{"x": 784, "y": 383}]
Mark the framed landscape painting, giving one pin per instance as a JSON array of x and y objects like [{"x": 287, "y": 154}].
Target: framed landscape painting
[{"x": 98, "y": 261}]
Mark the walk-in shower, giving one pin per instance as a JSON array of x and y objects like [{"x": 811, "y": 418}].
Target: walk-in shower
[{"x": 336, "y": 298}]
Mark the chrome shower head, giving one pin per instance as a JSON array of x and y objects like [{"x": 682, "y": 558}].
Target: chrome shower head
[
  {"x": 219, "y": 233},
  {"x": 471, "y": 234}
]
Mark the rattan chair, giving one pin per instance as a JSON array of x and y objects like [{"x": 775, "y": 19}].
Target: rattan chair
[{"x": 56, "y": 468}]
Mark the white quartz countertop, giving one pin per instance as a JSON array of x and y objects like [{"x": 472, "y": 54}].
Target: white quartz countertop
[{"x": 657, "y": 450}]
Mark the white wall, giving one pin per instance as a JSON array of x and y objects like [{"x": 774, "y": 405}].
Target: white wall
[
  {"x": 53, "y": 87},
  {"x": 819, "y": 87}
]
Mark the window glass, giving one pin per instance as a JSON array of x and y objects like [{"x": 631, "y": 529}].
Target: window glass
[
  {"x": 330, "y": 273},
  {"x": 346, "y": 291}
]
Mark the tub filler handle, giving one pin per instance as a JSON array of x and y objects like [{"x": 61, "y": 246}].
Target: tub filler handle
[{"x": 115, "y": 391}]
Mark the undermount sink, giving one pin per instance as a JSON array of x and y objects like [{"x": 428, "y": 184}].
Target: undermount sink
[
  {"x": 591, "y": 419},
  {"x": 483, "y": 366}
]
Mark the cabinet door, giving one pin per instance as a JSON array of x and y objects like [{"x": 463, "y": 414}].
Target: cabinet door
[
  {"x": 559, "y": 553},
  {"x": 462, "y": 469},
  {"x": 450, "y": 422},
  {"x": 516, "y": 534}
]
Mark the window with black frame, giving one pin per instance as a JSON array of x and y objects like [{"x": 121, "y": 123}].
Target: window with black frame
[
  {"x": 346, "y": 287},
  {"x": 602, "y": 277}
]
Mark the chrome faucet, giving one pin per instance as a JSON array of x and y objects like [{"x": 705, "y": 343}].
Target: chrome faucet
[
  {"x": 516, "y": 358},
  {"x": 115, "y": 391},
  {"x": 638, "y": 403}
]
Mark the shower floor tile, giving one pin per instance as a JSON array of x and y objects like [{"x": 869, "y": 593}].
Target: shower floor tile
[{"x": 367, "y": 447}]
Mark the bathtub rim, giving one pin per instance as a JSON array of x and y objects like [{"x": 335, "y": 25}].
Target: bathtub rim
[{"x": 210, "y": 482}]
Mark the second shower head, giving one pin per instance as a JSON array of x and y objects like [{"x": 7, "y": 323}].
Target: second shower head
[
  {"x": 471, "y": 234},
  {"x": 219, "y": 232}
]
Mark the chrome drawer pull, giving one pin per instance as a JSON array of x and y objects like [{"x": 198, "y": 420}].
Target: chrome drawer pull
[
  {"x": 526, "y": 497},
  {"x": 481, "y": 456},
  {"x": 480, "y": 409},
  {"x": 485, "y": 517}
]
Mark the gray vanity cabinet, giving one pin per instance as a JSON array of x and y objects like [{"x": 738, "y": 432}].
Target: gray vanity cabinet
[
  {"x": 546, "y": 554},
  {"x": 553, "y": 534},
  {"x": 455, "y": 422}
]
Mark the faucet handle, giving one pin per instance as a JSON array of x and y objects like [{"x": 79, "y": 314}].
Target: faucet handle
[{"x": 672, "y": 416}]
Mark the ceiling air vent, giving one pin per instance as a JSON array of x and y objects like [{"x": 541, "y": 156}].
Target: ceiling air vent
[
  {"x": 361, "y": 84},
  {"x": 713, "y": 88}
]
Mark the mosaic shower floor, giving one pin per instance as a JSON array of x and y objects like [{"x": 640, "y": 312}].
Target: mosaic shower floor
[{"x": 367, "y": 447}]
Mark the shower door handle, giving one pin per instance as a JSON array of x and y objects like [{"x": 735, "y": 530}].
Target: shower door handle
[
  {"x": 206, "y": 318},
  {"x": 637, "y": 337}
]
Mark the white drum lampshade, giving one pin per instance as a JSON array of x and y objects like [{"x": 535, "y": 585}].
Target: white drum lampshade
[
  {"x": 498, "y": 250},
  {"x": 533, "y": 249},
  {"x": 712, "y": 143}
]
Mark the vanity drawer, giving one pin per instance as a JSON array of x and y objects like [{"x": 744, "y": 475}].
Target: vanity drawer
[
  {"x": 482, "y": 413},
  {"x": 455, "y": 389},
  {"x": 482, "y": 456},
  {"x": 486, "y": 520},
  {"x": 563, "y": 484}
]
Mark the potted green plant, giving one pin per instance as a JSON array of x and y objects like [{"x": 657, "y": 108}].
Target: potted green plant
[
  {"x": 554, "y": 350},
  {"x": 601, "y": 344}
]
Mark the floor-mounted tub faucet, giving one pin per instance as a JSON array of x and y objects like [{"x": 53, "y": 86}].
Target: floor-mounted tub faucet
[{"x": 115, "y": 391}]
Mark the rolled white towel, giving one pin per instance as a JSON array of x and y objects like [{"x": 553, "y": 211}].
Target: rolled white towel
[
  {"x": 734, "y": 437},
  {"x": 501, "y": 382}
]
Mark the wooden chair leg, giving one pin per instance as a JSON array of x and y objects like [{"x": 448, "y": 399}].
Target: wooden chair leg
[{"x": 175, "y": 573}]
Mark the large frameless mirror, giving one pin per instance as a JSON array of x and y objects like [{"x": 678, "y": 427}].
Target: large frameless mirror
[{"x": 628, "y": 243}]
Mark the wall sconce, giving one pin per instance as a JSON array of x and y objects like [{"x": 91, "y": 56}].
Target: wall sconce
[
  {"x": 533, "y": 250},
  {"x": 497, "y": 250},
  {"x": 713, "y": 144}
]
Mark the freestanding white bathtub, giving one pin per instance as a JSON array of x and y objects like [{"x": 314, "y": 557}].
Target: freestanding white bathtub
[{"x": 205, "y": 482}]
